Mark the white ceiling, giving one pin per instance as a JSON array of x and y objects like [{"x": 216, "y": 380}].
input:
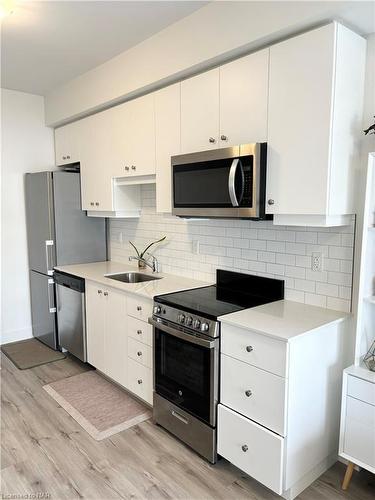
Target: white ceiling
[{"x": 45, "y": 44}]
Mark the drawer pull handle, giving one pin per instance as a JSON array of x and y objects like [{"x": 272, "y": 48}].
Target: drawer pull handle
[
  {"x": 139, "y": 353},
  {"x": 100, "y": 291},
  {"x": 180, "y": 417},
  {"x": 244, "y": 448},
  {"x": 139, "y": 332},
  {"x": 248, "y": 393},
  {"x": 139, "y": 308},
  {"x": 249, "y": 348},
  {"x": 139, "y": 381}
]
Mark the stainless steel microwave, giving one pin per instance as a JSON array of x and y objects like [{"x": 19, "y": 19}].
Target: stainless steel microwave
[{"x": 227, "y": 183}]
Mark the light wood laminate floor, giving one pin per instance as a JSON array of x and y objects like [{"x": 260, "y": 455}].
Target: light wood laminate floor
[{"x": 44, "y": 451}]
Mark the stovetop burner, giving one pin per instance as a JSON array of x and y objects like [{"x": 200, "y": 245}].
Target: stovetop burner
[{"x": 233, "y": 292}]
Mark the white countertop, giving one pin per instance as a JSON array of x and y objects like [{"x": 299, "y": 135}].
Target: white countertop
[
  {"x": 283, "y": 319},
  {"x": 361, "y": 372},
  {"x": 97, "y": 271}
]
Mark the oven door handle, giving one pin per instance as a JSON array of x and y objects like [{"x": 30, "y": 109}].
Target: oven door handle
[
  {"x": 236, "y": 163},
  {"x": 211, "y": 344}
]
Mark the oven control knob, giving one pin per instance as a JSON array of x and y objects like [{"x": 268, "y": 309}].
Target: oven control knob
[
  {"x": 196, "y": 323},
  {"x": 181, "y": 318},
  {"x": 189, "y": 321},
  {"x": 157, "y": 309},
  {"x": 204, "y": 327}
]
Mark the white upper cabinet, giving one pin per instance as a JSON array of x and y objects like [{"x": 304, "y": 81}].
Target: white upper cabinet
[
  {"x": 200, "y": 112},
  {"x": 314, "y": 126},
  {"x": 133, "y": 129},
  {"x": 96, "y": 179},
  {"x": 67, "y": 143},
  {"x": 243, "y": 100},
  {"x": 168, "y": 142}
]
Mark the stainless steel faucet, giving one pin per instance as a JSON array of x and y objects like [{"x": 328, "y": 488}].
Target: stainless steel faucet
[{"x": 154, "y": 265}]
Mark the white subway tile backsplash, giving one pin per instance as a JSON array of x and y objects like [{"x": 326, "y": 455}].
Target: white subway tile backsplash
[{"x": 255, "y": 247}]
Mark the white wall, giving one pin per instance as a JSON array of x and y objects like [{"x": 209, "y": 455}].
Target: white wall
[
  {"x": 211, "y": 35},
  {"x": 255, "y": 247},
  {"x": 27, "y": 146}
]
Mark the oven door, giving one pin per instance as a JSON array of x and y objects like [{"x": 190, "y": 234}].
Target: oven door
[
  {"x": 217, "y": 183},
  {"x": 186, "y": 370}
]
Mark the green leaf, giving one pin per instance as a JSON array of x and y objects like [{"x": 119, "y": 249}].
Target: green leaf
[
  {"x": 135, "y": 248},
  {"x": 150, "y": 245}
]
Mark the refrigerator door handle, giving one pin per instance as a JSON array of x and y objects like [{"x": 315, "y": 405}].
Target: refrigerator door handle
[
  {"x": 48, "y": 244},
  {"x": 52, "y": 309}
]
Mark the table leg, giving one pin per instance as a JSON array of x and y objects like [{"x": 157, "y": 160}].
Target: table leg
[{"x": 348, "y": 475}]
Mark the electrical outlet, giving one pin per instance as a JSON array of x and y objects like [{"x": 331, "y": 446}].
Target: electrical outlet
[
  {"x": 317, "y": 261},
  {"x": 195, "y": 247}
]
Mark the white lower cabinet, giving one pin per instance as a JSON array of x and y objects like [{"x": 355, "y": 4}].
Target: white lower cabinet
[
  {"x": 140, "y": 380},
  {"x": 243, "y": 387},
  {"x": 279, "y": 403},
  {"x": 252, "y": 448},
  {"x": 117, "y": 344},
  {"x": 357, "y": 436}
]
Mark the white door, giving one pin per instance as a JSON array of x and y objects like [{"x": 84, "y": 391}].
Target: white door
[
  {"x": 168, "y": 142},
  {"x": 95, "y": 324},
  {"x": 243, "y": 100},
  {"x": 96, "y": 173},
  {"x": 200, "y": 112},
  {"x": 299, "y": 120},
  {"x": 67, "y": 144},
  {"x": 115, "y": 335}
]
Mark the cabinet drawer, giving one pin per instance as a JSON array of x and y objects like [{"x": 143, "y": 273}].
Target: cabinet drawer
[
  {"x": 139, "y": 330},
  {"x": 140, "y": 308},
  {"x": 254, "y": 348},
  {"x": 251, "y": 448},
  {"x": 140, "y": 380},
  {"x": 141, "y": 353},
  {"x": 359, "y": 440},
  {"x": 254, "y": 393},
  {"x": 361, "y": 389}
]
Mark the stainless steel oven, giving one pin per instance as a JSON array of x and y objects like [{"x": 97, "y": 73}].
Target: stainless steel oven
[
  {"x": 186, "y": 384},
  {"x": 228, "y": 182}
]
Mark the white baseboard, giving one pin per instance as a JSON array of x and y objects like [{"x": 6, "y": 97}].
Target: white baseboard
[{"x": 15, "y": 335}]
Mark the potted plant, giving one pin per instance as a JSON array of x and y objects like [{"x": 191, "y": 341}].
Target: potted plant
[{"x": 142, "y": 254}]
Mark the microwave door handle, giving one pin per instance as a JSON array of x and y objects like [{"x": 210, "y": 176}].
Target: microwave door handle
[{"x": 231, "y": 182}]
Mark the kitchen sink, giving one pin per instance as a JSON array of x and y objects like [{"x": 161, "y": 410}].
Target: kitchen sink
[{"x": 132, "y": 277}]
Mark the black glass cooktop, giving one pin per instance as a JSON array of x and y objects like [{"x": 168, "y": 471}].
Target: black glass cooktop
[{"x": 232, "y": 292}]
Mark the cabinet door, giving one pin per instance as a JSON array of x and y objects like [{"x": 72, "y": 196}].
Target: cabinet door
[
  {"x": 134, "y": 136},
  {"x": 96, "y": 174},
  {"x": 115, "y": 336},
  {"x": 67, "y": 144},
  {"x": 243, "y": 100},
  {"x": 168, "y": 142},
  {"x": 200, "y": 112},
  {"x": 95, "y": 324},
  {"x": 299, "y": 122}
]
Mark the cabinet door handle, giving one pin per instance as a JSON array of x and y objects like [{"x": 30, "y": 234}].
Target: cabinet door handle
[
  {"x": 100, "y": 291},
  {"x": 224, "y": 138},
  {"x": 249, "y": 348},
  {"x": 139, "y": 381},
  {"x": 212, "y": 140},
  {"x": 139, "y": 332},
  {"x": 127, "y": 168},
  {"x": 139, "y": 308},
  {"x": 64, "y": 157},
  {"x": 244, "y": 448},
  {"x": 68, "y": 157},
  {"x": 92, "y": 203},
  {"x": 271, "y": 201},
  {"x": 139, "y": 353},
  {"x": 105, "y": 294},
  {"x": 134, "y": 167},
  {"x": 97, "y": 203},
  {"x": 248, "y": 393}
]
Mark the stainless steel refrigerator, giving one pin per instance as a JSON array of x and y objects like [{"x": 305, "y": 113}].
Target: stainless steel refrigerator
[{"x": 58, "y": 233}]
